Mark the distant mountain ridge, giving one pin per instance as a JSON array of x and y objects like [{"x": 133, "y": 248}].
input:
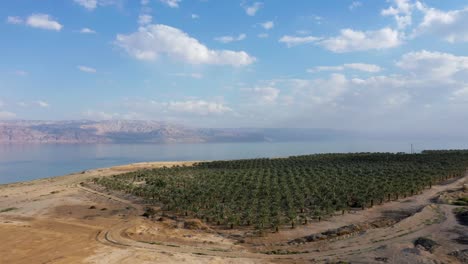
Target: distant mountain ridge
[{"x": 136, "y": 131}]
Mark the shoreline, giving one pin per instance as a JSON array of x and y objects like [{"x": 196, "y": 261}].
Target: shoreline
[{"x": 118, "y": 168}]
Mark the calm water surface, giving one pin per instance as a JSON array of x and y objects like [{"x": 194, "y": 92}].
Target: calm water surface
[{"x": 28, "y": 162}]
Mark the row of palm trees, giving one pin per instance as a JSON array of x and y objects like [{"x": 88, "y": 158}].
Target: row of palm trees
[{"x": 270, "y": 193}]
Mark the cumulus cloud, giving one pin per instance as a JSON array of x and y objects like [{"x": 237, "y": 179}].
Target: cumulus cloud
[
  {"x": 154, "y": 40},
  {"x": 450, "y": 25},
  {"x": 433, "y": 65},
  {"x": 401, "y": 10},
  {"x": 352, "y": 40},
  {"x": 267, "y": 25},
  {"x": 380, "y": 102},
  {"x": 292, "y": 41},
  {"x": 371, "y": 68},
  {"x": 87, "y": 31},
  {"x": 43, "y": 21},
  {"x": 228, "y": 39},
  {"x": 171, "y": 3},
  {"x": 86, "y": 69},
  {"x": 251, "y": 10},
  {"x": 195, "y": 16}
]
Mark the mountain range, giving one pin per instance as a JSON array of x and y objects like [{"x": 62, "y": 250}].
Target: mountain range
[{"x": 136, "y": 131}]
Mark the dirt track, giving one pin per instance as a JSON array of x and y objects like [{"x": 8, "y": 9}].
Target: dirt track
[{"x": 58, "y": 221}]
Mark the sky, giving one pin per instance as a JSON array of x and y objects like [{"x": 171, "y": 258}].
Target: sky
[{"x": 357, "y": 65}]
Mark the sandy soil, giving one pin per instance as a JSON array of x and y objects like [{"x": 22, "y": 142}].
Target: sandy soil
[{"x": 57, "y": 220}]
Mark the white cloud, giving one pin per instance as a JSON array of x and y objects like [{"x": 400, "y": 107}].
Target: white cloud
[
  {"x": 86, "y": 69},
  {"x": 154, "y": 40},
  {"x": 433, "y": 65},
  {"x": 42, "y": 104},
  {"x": 363, "y": 67},
  {"x": 43, "y": 21},
  {"x": 144, "y": 19},
  {"x": 325, "y": 91},
  {"x": 354, "y": 5},
  {"x": 14, "y": 20},
  {"x": 326, "y": 68},
  {"x": 88, "y": 4},
  {"x": 401, "y": 11},
  {"x": 171, "y": 3},
  {"x": 450, "y": 26},
  {"x": 228, "y": 39},
  {"x": 372, "y": 68},
  {"x": 199, "y": 107},
  {"x": 191, "y": 75},
  {"x": 263, "y": 35},
  {"x": 291, "y": 41},
  {"x": 93, "y": 4},
  {"x": 87, "y": 31},
  {"x": 251, "y": 10},
  {"x": 266, "y": 95},
  {"x": 195, "y": 16},
  {"x": 268, "y": 25},
  {"x": 7, "y": 115},
  {"x": 351, "y": 40},
  {"x": 144, "y": 2}
]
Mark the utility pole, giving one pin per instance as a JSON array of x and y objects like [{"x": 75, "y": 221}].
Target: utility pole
[{"x": 412, "y": 152}]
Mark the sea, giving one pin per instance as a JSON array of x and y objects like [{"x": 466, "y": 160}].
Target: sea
[{"x": 24, "y": 162}]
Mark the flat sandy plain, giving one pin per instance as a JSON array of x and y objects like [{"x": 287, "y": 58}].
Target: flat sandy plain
[{"x": 61, "y": 220}]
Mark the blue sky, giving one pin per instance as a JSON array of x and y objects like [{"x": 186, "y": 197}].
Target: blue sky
[{"x": 363, "y": 65}]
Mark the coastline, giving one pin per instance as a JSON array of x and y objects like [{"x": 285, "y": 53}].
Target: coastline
[{"x": 106, "y": 171}]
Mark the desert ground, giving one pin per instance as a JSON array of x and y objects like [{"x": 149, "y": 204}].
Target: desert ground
[{"x": 68, "y": 220}]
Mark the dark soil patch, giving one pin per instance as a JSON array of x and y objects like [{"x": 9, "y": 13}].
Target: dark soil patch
[
  {"x": 399, "y": 215},
  {"x": 426, "y": 243},
  {"x": 462, "y": 215},
  {"x": 343, "y": 231},
  {"x": 462, "y": 240}
]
